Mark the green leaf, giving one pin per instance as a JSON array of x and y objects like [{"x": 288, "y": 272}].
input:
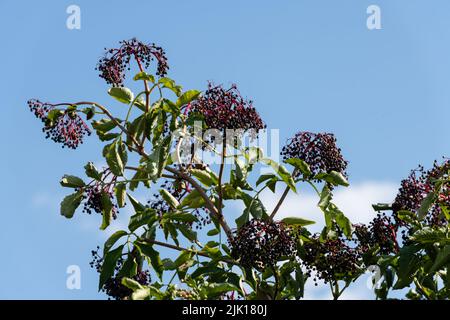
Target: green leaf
[
  {"x": 141, "y": 218},
  {"x": 112, "y": 240},
  {"x": 109, "y": 265},
  {"x": 193, "y": 200},
  {"x": 203, "y": 176},
  {"x": 114, "y": 160},
  {"x": 132, "y": 284},
  {"x": 407, "y": 264},
  {"x": 137, "y": 206},
  {"x": 170, "y": 84},
  {"x": 282, "y": 172},
  {"x": 129, "y": 267},
  {"x": 217, "y": 289},
  {"x": 187, "y": 97},
  {"x": 107, "y": 207},
  {"x": 242, "y": 219},
  {"x": 121, "y": 94},
  {"x": 325, "y": 197},
  {"x": 428, "y": 236},
  {"x": 183, "y": 217},
  {"x": 442, "y": 258},
  {"x": 104, "y": 125},
  {"x": 213, "y": 232},
  {"x": 300, "y": 165},
  {"x": 169, "y": 198},
  {"x": 147, "y": 250},
  {"x": 342, "y": 221},
  {"x": 187, "y": 232},
  {"x": 336, "y": 178},
  {"x": 265, "y": 177},
  {"x": 71, "y": 181},
  {"x": 121, "y": 193},
  {"x": 381, "y": 207},
  {"x": 426, "y": 205},
  {"x": 254, "y": 206},
  {"x": 70, "y": 203},
  {"x": 144, "y": 76},
  {"x": 297, "y": 221},
  {"x": 92, "y": 172}
]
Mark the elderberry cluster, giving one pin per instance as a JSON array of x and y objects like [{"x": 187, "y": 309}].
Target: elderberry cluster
[
  {"x": 381, "y": 232},
  {"x": 113, "y": 286},
  {"x": 319, "y": 150},
  {"x": 116, "y": 61},
  {"x": 224, "y": 109},
  {"x": 65, "y": 127},
  {"x": 260, "y": 244},
  {"x": 331, "y": 259},
  {"x": 417, "y": 186},
  {"x": 95, "y": 196}
]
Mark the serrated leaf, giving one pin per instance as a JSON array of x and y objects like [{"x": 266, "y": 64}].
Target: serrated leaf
[
  {"x": 297, "y": 221},
  {"x": 141, "y": 218},
  {"x": 300, "y": 165},
  {"x": 109, "y": 265},
  {"x": 187, "y": 97},
  {"x": 121, "y": 94},
  {"x": 121, "y": 194},
  {"x": 144, "y": 76},
  {"x": 92, "y": 172},
  {"x": 147, "y": 250},
  {"x": 203, "y": 176},
  {"x": 112, "y": 240},
  {"x": 169, "y": 198},
  {"x": 70, "y": 203},
  {"x": 71, "y": 181}
]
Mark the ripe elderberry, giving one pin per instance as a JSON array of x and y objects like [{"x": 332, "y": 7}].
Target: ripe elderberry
[
  {"x": 226, "y": 109},
  {"x": 381, "y": 232},
  {"x": 319, "y": 150},
  {"x": 417, "y": 186},
  {"x": 65, "y": 126},
  {"x": 113, "y": 286},
  {"x": 116, "y": 61},
  {"x": 94, "y": 197},
  {"x": 261, "y": 244},
  {"x": 331, "y": 260}
]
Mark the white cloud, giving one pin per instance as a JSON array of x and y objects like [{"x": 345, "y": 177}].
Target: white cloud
[{"x": 355, "y": 201}]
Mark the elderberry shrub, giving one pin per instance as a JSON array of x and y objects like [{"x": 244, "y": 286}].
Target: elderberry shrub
[
  {"x": 113, "y": 287},
  {"x": 260, "y": 244},
  {"x": 116, "y": 61},
  {"x": 224, "y": 109},
  {"x": 331, "y": 259},
  {"x": 319, "y": 150},
  {"x": 417, "y": 186},
  {"x": 62, "y": 126}
]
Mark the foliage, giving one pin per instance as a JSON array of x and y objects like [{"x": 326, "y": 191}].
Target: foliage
[{"x": 148, "y": 145}]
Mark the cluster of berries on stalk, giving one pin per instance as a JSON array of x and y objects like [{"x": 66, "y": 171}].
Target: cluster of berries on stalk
[
  {"x": 97, "y": 198},
  {"x": 116, "y": 61},
  {"x": 62, "y": 126},
  {"x": 225, "y": 109},
  {"x": 417, "y": 186},
  {"x": 113, "y": 286},
  {"x": 381, "y": 232},
  {"x": 260, "y": 244},
  {"x": 319, "y": 150},
  {"x": 330, "y": 259}
]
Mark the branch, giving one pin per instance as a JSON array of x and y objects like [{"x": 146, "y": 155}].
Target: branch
[
  {"x": 209, "y": 204},
  {"x": 280, "y": 202},
  {"x": 178, "y": 248}
]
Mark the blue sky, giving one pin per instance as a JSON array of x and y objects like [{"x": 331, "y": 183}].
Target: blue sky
[{"x": 308, "y": 65}]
